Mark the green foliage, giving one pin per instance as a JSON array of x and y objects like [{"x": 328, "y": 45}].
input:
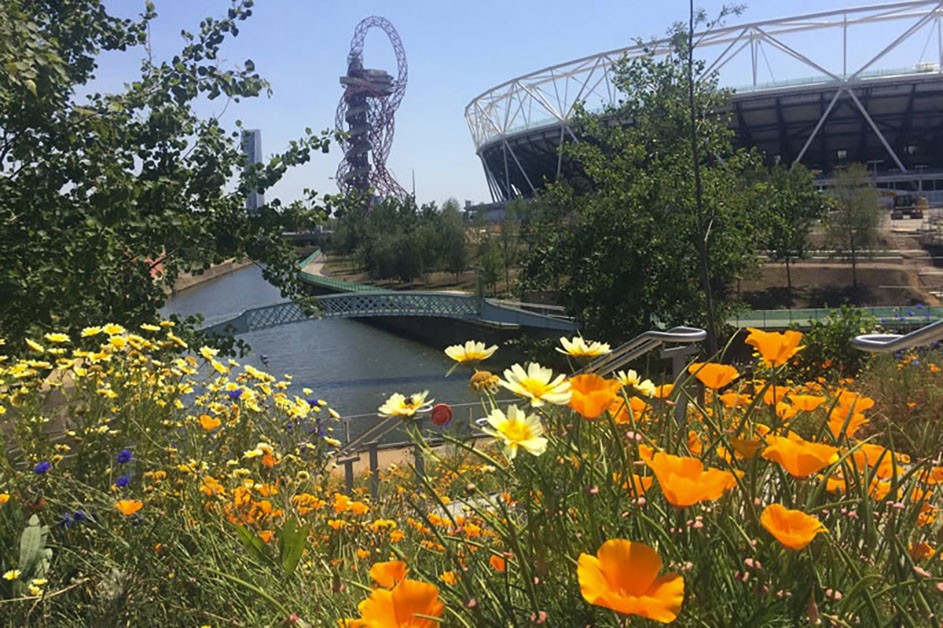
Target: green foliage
[
  {"x": 852, "y": 226},
  {"x": 828, "y": 343},
  {"x": 490, "y": 265},
  {"x": 910, "y": 389},
  {"x": 98, "y": 193},
  {"x": 398, "y": 240},
  {"x": 792, "y": 206},
  {"x": 236, "y": 517},
  {"x": 35, "y": 557},
  {"x": 624, "y": 243}
]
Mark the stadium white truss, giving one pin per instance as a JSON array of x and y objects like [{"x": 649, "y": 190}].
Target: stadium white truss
[{"x": 546, "y": 99}]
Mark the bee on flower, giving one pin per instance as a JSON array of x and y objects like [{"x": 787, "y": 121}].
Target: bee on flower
[
  {"x": 484, "y": 382},
  {"x": 405, "y": 407}
]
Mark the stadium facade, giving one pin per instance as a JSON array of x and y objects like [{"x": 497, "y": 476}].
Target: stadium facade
[{"x": 868, "y": 89}]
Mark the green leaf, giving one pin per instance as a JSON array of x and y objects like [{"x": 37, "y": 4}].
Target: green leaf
[
  {"x": 253, "y": 544},
  {"x": 291, "y": 545},
  {"x": 34, "y": 556}
]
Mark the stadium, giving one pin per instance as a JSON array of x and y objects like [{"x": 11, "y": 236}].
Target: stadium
[{"x": 826, "y": 89}]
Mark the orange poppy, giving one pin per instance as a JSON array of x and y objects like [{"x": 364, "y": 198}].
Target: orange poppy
[
  {"x": 410, "y": 603},
  {"x": 850, "y": 400},
  {"x": 793, "y": 528},
  {"x": 694, "y": 444},
  {"x": 806, "y": 403},
  {"x": 775, "y": 394},
  {"x": 620, "y": 414},
  {"x": 209, "y": 423},
  {"x": 388, "y": 574},
  {"x": 834, "y": 484},
  {"x": 128, "y": 507},
  {"x": 880, "y": 460},
  {"x": 638, "y": 483},
  {"x": 497, "y": 563},
  {"x": 591, "y": 394},
  {"x": 786, "y": 411},
  {"x": 798, "y": 456},
  {"x": 685, "y": 481},
  {"x": 645, "y": 452},
  {"x": 850, "y": 425},
  {"x": 921, "y": 550},
  {"x": 734, "y": 399},
  {"x": 623, "y": 576},
  {"x": 664, "y": 391},
  {"x": 775, "y": 348},
  {"x": 713, "y": 375}
]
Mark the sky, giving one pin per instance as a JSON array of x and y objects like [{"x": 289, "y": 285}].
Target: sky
[{"x": 455, "y": 51}]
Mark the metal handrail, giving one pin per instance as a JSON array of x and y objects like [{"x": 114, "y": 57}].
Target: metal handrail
[
  {"x": 642, "y": 344},
  {"x": 376, "y": 432},
  {"x": 886, "y": 343}
]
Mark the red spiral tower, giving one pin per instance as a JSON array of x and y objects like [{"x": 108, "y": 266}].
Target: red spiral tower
[{"x": 365, "y": 112}]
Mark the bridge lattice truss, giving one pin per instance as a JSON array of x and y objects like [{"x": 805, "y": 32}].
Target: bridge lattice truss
[
  {"x": 383, "y": 303},
  {"x": 547, "y": 98}
]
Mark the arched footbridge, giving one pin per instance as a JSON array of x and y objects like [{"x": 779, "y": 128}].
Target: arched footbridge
[{"x": 378, "y": 303}]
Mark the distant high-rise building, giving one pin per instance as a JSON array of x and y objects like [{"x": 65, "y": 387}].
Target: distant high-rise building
[{"x": 252, "y": 147}]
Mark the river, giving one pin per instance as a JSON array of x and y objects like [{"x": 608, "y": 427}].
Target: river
[{"x": 351, "y": 365}]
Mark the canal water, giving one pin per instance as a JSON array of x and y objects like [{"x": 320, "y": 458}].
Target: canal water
[{"x": 351, "y": 365}]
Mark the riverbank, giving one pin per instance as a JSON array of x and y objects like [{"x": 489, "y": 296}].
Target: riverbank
[{"x": 187, "y": 280}]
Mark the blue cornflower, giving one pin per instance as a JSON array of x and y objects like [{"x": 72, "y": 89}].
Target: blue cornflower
[
  {"x": 235, "y": 394},
  {"x": 42, "y": 467},
  {"x": 123, "y": 481},
  {"x": 79, "y": 516},
  {"x": 312, "y": 402},
  {"x": 124, "y": 456}
]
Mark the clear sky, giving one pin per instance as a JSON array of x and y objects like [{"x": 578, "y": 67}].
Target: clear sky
[{"x": 455, "y": 51}]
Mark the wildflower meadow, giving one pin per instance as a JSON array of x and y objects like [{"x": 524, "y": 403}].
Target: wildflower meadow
[{"x": 147, "y": 482}]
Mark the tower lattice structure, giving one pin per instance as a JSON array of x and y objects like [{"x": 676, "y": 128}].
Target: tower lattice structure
[{"x": 366, "y": 112}]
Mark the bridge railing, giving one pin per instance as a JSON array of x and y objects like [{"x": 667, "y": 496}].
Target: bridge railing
[{"x": 890, "y": 315}]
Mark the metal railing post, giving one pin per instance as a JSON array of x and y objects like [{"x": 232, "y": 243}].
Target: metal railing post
[
  {"x": 373, "y": 450},
  {"x": 349, "y": 472},
  {"x": 679, "y": 361},
  {"x": 419, "y": 464}
]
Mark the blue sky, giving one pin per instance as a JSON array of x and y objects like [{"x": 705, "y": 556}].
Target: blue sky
[{"x": 455, "y": 51}]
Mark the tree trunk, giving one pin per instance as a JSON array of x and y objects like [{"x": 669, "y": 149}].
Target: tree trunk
[
  {"x": 702, "y": 245},
  {"x": 854, "y": 263},
  {"x": 788, "y": 277}
]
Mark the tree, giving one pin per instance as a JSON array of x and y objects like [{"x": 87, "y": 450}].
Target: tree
[
  {"x": 105, "y": 199},
  {"x": 853, "y": 225},
  {"x": 792, "y": 206},
  {"x": 508, "y": 238},
  {"x": 489, "y": 266},
  {"x": 452, "y": 233},
  {"x": 626, "y": 242}
]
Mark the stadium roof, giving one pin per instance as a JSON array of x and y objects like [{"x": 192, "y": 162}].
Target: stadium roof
[{"x": 854, "y": 106}]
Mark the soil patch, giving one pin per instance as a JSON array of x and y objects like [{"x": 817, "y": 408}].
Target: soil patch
[{"x": 816, "y": 285}]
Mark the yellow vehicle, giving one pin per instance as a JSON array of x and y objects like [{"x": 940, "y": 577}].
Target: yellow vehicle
[{"x": 908, "y": 206}]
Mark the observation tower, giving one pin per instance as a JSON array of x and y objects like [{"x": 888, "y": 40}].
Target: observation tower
[{"x": 366, "y": 112}]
